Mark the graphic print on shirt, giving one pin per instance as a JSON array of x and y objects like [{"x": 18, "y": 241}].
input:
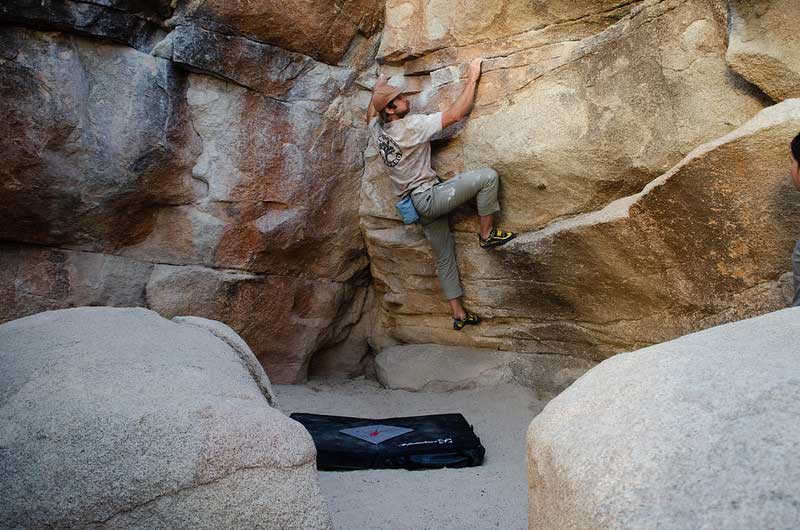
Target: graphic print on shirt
[{"x": 390, "y": 151}]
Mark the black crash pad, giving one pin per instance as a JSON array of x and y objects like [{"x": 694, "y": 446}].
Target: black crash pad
[{"x": 415, "y": 442}]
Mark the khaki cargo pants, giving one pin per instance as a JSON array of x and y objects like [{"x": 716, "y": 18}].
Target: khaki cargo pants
[{"x": 434, "y": 204}]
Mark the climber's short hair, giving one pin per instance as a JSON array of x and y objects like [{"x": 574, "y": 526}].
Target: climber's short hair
[{"x": 796, "y": 147}]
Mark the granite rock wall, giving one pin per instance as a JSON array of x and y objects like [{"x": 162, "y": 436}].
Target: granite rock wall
[
  {"x": 210, "y": 158},
  {"x": 187, "y": 158},
  {"x": 641, "y": 156}
]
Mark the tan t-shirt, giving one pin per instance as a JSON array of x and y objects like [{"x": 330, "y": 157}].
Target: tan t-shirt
[{"x": 404, "y": 146}]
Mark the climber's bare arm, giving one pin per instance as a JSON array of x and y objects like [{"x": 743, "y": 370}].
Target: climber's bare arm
[
  {"x": 371, "y": 112},
  {"x": 463, "y": 103}
]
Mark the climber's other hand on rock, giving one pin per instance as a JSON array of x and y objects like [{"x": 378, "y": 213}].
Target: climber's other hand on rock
[
  {"x": 382, "y": 80},
  {"x": 474, "y": 69}
]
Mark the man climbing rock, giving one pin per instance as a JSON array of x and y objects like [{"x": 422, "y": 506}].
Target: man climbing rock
[{"x": 403, "y": 141}]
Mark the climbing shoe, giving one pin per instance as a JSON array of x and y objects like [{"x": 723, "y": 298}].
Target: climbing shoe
[
  {"x": 496, "y": 238},
  {"x": 471, "y": 319}
]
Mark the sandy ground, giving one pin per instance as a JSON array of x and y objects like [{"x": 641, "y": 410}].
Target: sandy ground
[{"x": 493, "y": 495}]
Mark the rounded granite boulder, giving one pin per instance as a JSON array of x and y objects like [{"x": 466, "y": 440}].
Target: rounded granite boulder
[
  {"x": 119, "y": 418},
  {"x": 698, "y": 432}
]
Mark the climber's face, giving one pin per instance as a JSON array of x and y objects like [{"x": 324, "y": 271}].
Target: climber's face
[
  {"x": 398, "y": 108},
  {"x": 795, "y": 171}
]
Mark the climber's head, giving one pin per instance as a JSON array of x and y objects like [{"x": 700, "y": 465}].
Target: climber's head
[
  {"x": 396, "y": 109},
  {"x": 389, "y": 100}
]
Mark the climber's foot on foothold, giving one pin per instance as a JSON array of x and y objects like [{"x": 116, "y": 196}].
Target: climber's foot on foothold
[{"x": 496, "y": 238}]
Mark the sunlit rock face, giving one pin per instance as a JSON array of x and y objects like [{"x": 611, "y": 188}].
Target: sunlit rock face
[
  {"x": 414, "y": 28},
  {"x": 187, "y": 170},
  {"x": 572, "y": 124},
  {"x": 763, "y": 46},
  {"x": 703, "y": 244},
  {"x": 584, "y": 110}
]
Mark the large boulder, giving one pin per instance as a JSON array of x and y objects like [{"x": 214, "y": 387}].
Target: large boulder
[
  {"x": 573, "y": 118},
  {"x": 763, "y": 45},
  {"x": 119, "y": 418},
  {"x": 124, "y": 161},
  {"x": 705, "y": 243},
  {"x": 437, "y": 368},
  {"x": 699, "y": 432}
]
